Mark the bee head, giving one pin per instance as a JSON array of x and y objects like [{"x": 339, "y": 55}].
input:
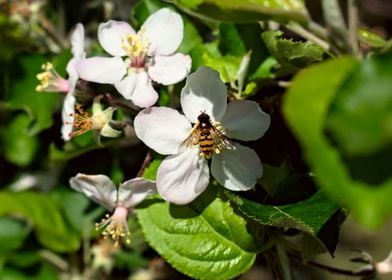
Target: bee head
[{"x": 203, "y": 118}]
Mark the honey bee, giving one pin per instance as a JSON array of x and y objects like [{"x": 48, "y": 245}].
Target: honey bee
[{"x": 208, "y": 136}]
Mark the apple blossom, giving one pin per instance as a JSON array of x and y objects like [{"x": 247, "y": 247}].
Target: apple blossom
[
  {"x": 51, "y": 81},
  {"x": 101, "y": 190},
  {"x": 184, "y": 174},
  {"x": 149, "y": 56}
]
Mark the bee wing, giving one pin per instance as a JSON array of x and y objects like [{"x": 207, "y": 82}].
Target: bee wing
[
  {"x": 221, "y": 141},
  {"x": 191, "y": 140}
]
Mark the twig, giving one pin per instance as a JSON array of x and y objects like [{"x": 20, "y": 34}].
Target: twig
[
  {"x": 145, "y": 163},
  {"x": 295, "y": 27},
  {"x": 353, "y": 21}
]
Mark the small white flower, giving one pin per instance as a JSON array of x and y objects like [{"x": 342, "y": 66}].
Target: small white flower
[
  {"x": 149, "y": 55},
  {"x": 101, "y": 190},
  {"x": 184, "y": 174},
  {"x": 51, "y": 81}
]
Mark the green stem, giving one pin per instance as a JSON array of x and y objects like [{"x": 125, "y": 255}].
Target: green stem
[
  {"x": 283, "y": 260},
  {"x": 353, "y": 21}
]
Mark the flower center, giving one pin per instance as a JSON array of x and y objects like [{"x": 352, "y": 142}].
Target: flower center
[
  {"x": 51, "y": 81},
  {"x": 136, "y": 48},
  {"x": 115, "y": 226}
]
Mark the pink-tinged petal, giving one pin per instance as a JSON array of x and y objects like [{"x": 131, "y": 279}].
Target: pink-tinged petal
[
  {"x": 98, "y": 188},
  {"x": 77, "y": 42},
  {"x": 73, "y": 74},
  {"x": 134, "y": 191},
  {"x": 138, "y": 88},
  {"x": 204, "y": 92},
  {"x": 183, "y": 177},
  {"x": 162, "y": 129},
  {"x": 238, "y": 169},
  {"x": 111, "y": 35},
  {"x": 103, "y": 70},
  {"x": 164, "y": 31},
  {"x": 244, "y": 120},
  {"x": 168, "y": 70},
  {"x": 67, "y": 115}
]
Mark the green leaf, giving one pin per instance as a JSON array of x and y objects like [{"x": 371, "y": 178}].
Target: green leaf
[
  {"x": 12, "y": 233},
  {"x": 246, "y": 10},
  {"x": 18, "y": 146},
  {"x": 22, "y": 95},
  {"x": 191, "y": 37},
  {"x": 151, "y": 171},
  {"x": 144, "y": 8},
  {"x": 205, "y": 239},
  {"x": 313, "y": 91},
  {"x": 308, "y": 215},
  {"x": 42, "y": 211},
  {"x": 227, "y": 66},
  {"x": 291, "y": 55},
  {"x": 361, "y": 114},
  {"x": 230, "y": 40},
  {"x": 370, "y": 38}
]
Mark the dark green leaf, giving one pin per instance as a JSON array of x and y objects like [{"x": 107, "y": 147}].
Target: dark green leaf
[
  {"x": 205, "y": 240},
  {"x": 45, "y": 215},
  {"x": 12, "y": 233}
]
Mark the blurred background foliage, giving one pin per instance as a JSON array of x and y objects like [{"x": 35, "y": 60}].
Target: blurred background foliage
[{"x": 330, "y": 129}]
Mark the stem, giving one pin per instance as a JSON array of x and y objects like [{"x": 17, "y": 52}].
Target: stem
[
  {"x": 283, "y": 260},
  {"x": 54, "y": 259},
  {"x": 353, "y": 21},
  {"x": 145, "y": 163},
  {"x": 295, "y": 27}
]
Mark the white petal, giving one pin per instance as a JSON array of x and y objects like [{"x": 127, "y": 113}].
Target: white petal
[
  {"x": 134, "y": 191},
  {"x": 168, "y": 70},
  {"x": 111, "y": 35},
  {"x": 138, "y": 88},
  {"x": 67, "y": 115},
  {"x": 183, "y": 177},
  {"x": 244, "y": 120},
  {"x": 98, "y": 188},
  {"x": 77, "y": 42},
  {"x": 73, "y": 74},
  {"x": 162, "y": 129},
  {"x": 164, "y": 31},
  {"x": 103, "y": 70},
  {"x": 204, "y": 92},
  {"x": 237, "y": 169}
]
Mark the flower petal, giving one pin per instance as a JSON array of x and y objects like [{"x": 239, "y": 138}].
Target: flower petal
[
  {"x": 67, "y": 115},
  {"x": 244, "y": 120},
  {"x": 111, "y": 34},
  {"x": 134, "y": 191},
  {"x": 162, "y": 129},
  {"x": 204, "y": 92},
  {"x": 103, "y": 70},
  {"x": 138, "y": 88},
  {"x": 169, "y": 70},
  {"x": 77, "y": 42},
  {"x": 237, "y": 169},
  {"x": 98, "y": 188},
  {"x": 183, "y": 177},
  {"x": 164, "y": 31}
]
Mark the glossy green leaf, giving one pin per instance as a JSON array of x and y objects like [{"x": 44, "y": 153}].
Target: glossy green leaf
[
  {"x": 48, "y": 223},
  {"x": 308, "y": 215},
  {"x": 22, "y": 95},
  {"x": 246, "y": 10},
  {"x": 205, "y": 239},
  {"x": 313, "y": 91},
  {"x": 227, "y": 66},
  {"x": 18, "y": 146},
  {"x": 151, "y": 171}
]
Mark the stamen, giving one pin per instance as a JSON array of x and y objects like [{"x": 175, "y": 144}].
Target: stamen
[
  {"x": 83, "y": 121},
  {"x": 50, "y": 80},
  {"x": 115, "y": 226},
  {"x": 136, "y": 48}
]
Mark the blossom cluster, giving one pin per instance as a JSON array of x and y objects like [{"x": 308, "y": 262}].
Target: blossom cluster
[{"x": 197, "y": 140}]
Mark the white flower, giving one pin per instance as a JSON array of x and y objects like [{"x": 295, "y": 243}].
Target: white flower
[
  {"x": 51, "y": 81},
  {"x": 184, "y": 174},
  {"x": 149, "y": 55},
  {"x": 101, "y": 190}
]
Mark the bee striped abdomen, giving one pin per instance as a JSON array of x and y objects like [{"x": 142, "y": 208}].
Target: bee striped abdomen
[{"x": 206, "y": 143}]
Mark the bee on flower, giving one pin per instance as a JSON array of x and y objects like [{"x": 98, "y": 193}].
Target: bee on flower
[
  {"x": 121, "y": 201},
  {"x": 139, "y": 58},
  {"x": 203, "y": 133}
]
